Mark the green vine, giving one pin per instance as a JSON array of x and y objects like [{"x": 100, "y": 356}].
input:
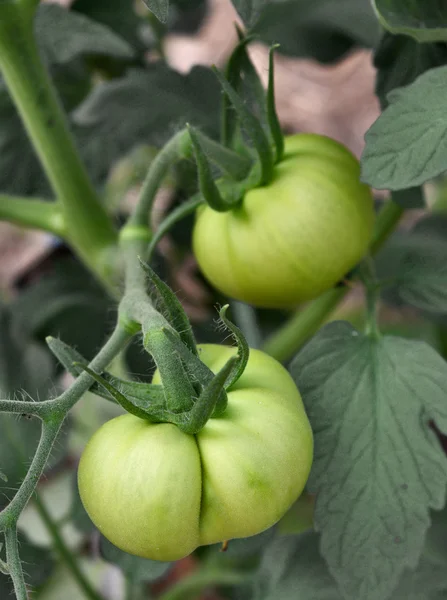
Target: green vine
[{"x": 78, "y": 216}]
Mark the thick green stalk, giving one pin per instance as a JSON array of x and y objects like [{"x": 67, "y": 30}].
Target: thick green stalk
[
  {"x": 89, "y": 228},
  {"x": 285, "y": 342},
  {"x": 37, "y": 214},
  {"x": 64, "y": 552}
]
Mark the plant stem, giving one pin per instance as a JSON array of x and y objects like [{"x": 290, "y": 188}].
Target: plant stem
[
  {"x": 10, "y": 515},
  {"x": 200, "y": 580},
  {"x": 89, "y": 228},
  {"x": 114, "y": 345},
  {"x": 285, "y": 342},
  {"x": 178, "y": 147},
  {"x": 386, "y": 222},
  {"x": 35, "y": 213},
  {"x": 15, "y": 564},
  {"x": 65, "y": 552},
  {"x": 246, "y": 319},
  {"x": 55, "y": 412}
]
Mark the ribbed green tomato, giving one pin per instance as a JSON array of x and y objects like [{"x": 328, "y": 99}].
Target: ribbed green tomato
[
  {"x": 159, "y": 493},
  {"x": 289, "y": 241}
]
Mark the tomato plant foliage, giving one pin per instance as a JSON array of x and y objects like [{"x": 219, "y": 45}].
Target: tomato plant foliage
[{"x": 283, "y": 228}]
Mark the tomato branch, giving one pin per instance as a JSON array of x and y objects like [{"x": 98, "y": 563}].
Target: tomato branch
[
  {"x": 287, "y": 340},
  {"x": 89, "y": 229},
  {"x": 178, "y": 147},
  {"x": 53, "y": 413},
  {"x": 14, "y": 563},
  {"x": 35, "y": 213}
]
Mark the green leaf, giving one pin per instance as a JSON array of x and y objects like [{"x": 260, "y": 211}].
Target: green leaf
[
  {"x": 322, "y": 29},
  {"x": 64, "y": 35},
  {"x": 160, "y": 8},
  {"x": 419, "y": 265},
  {"x": 292, "y": 567},
  {"x": 134, "y": 567},
  {"x": 119, "y": 16},
  {"x": 145, "y": 106},
  {"x": 378, "y": 466},
  {"x": 424, "y": 20},
  {"x": 407, "y": 144},
  {"x": 399, "y": 60}
]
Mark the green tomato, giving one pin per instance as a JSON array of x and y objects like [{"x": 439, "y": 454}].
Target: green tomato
[
  {"x": 291, "y": 240},
  {"x": 159, "y": 493}
]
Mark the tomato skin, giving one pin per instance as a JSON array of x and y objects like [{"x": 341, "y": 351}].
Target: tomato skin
[
  {"x": 293, "y": 239},
  {"x": 159, "y": 493}
]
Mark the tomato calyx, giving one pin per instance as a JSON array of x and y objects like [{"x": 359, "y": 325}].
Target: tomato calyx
[
  {"x": 190, "y": 393},
  {"x": 243, "y": 166}
]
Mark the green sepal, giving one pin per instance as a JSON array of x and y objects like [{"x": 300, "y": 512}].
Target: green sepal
[
  {"x": 178, "y": 388},
  {"x": 253, "y": 87},
  {"x": 198, "y": 370},
  {"x": 173, "y": 217},
  {"x": 254, "y": 129},
  {"x": 71, "y": 359},
  {"x": 149, "y": 412},
  {"x": 233, "y": 75},
  {"x": 243, "y": 348},
  {"x": 207, "y": 185},
  {"x": 169, "y": 305},
  {"x": 205, "y": 405},
  {"x": 233, "y": 164},
  {"x": 272, "y": 115}
]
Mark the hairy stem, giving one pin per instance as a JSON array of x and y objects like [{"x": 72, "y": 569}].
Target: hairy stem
[
  {"x": 10, "y": 515},
  {"x": 178, "y": 147},
  {"x": 65, "y": 552},
  {"x": 287, "y": 340},
  {"x": 14, "y": 563},
  {"x": 89, "y": 229},
  {"x": 35, "y": 213}
]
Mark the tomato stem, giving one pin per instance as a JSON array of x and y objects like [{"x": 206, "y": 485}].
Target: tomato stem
[
  {"x": 89, "y": 229},
  {"x": 287, "y": 340},
  {"x": 35, "y": 213},
  {"x": 14, "y": 563},
  {"x": 178, "y": 147}
]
